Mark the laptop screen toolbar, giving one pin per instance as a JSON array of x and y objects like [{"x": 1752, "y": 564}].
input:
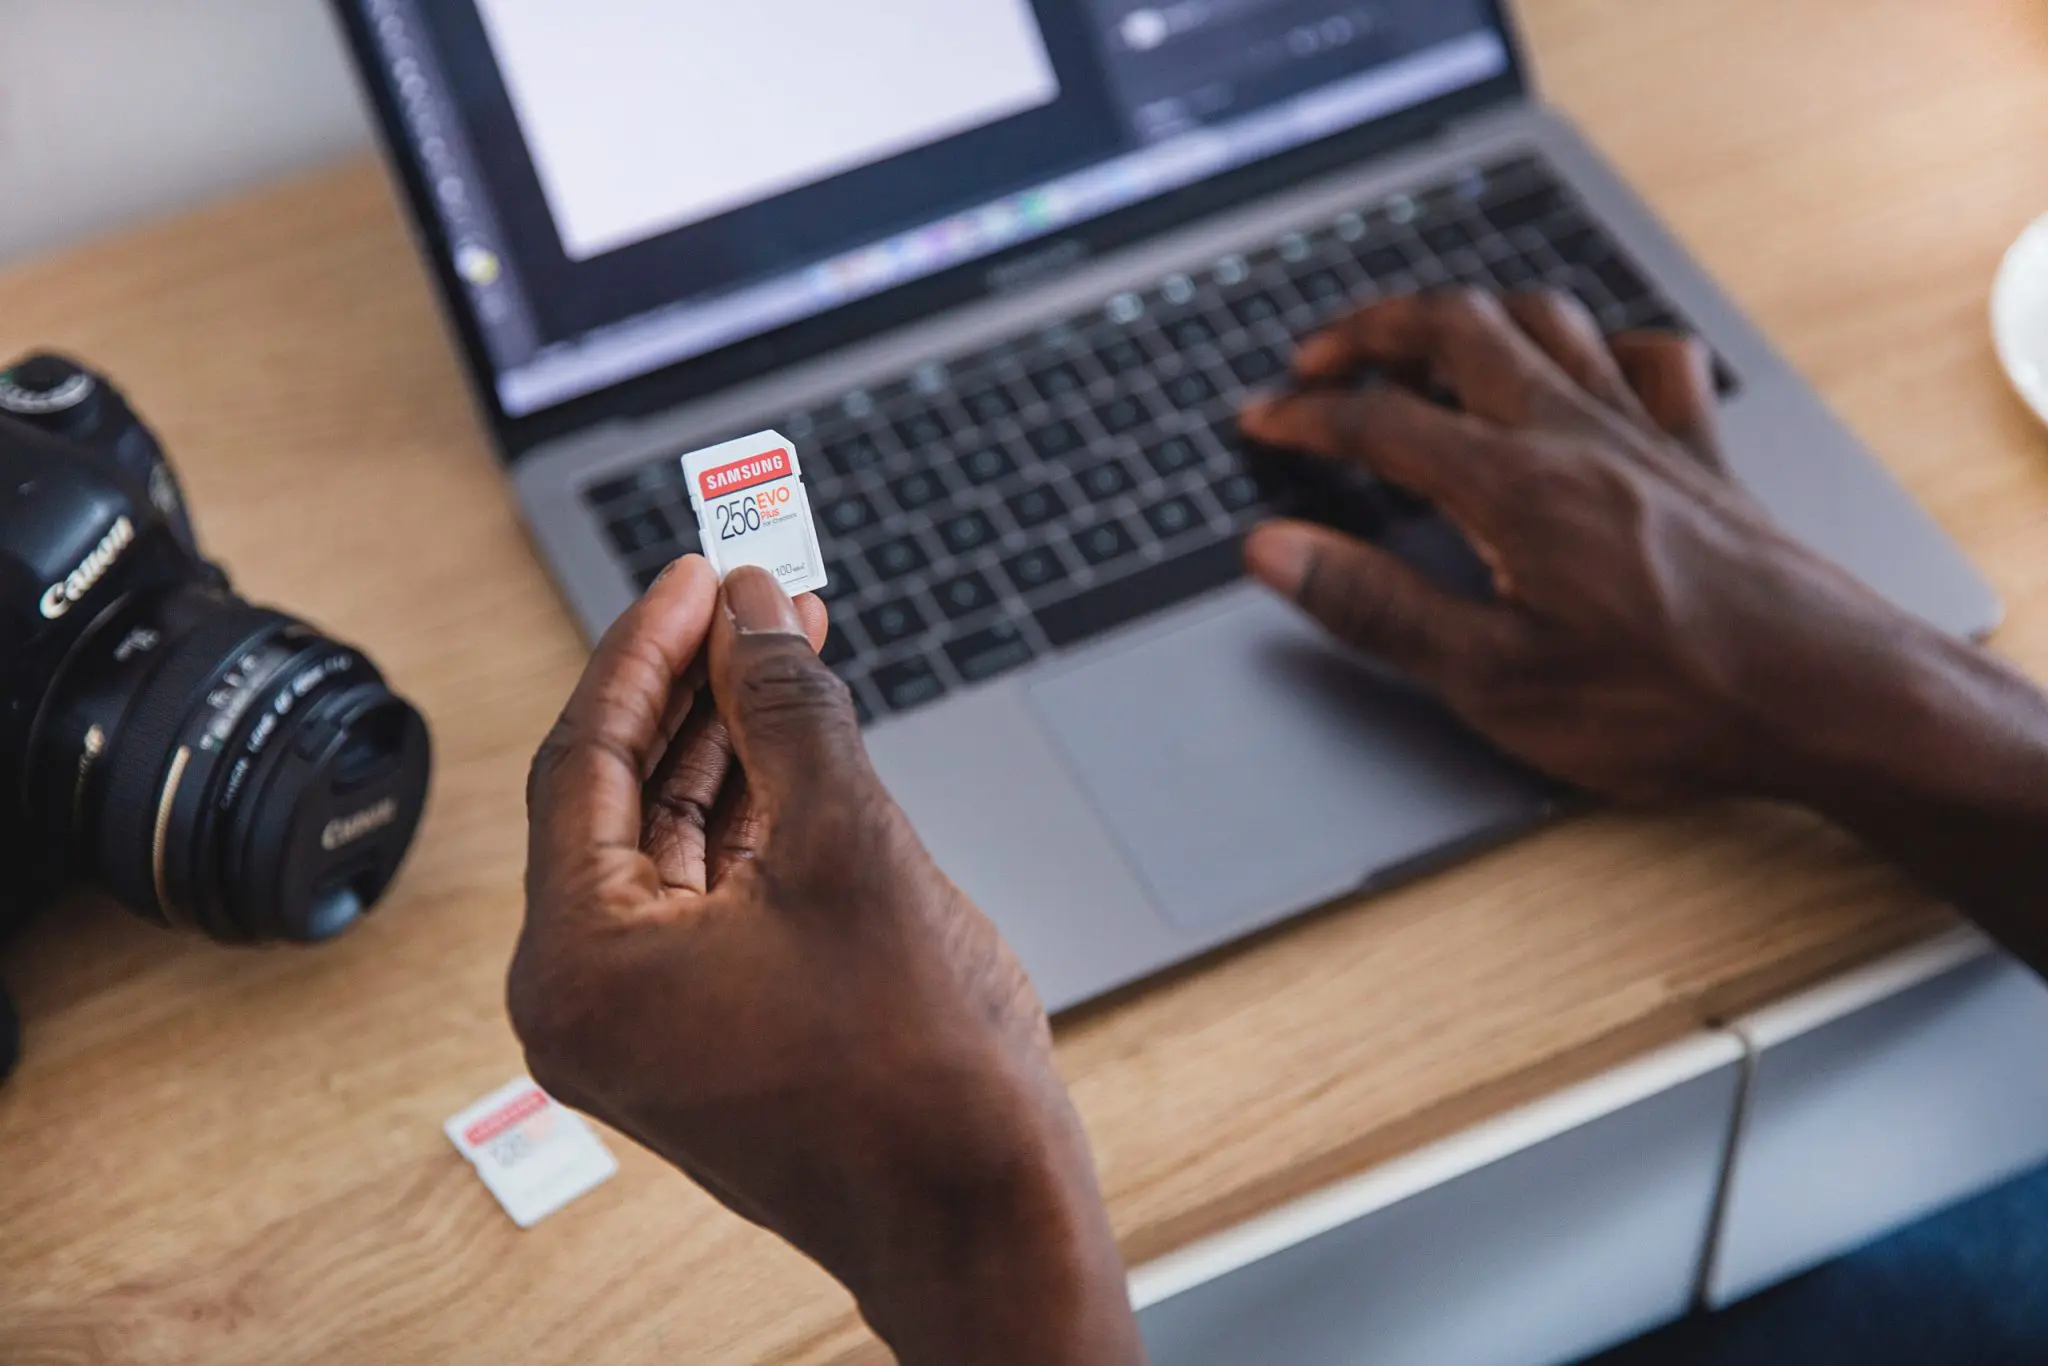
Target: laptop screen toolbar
[{"x": 627, "y": 186}]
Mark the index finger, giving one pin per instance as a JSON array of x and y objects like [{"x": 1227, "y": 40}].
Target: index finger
[
  {"x": 584, "y": 792},
  {"x": 1453, "y": 460},
  {"x": 1463, "y": 337}
]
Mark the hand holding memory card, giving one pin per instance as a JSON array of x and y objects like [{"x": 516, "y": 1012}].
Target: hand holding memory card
[{"x": 738, "y": 951}]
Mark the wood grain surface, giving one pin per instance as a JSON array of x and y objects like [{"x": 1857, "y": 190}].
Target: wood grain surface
[{"x": 232, "y": 1157}]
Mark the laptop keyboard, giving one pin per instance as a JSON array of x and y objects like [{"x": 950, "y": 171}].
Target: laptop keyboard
[{"x": 1004, "y": 504}]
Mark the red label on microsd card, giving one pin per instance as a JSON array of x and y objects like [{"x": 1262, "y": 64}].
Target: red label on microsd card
[
  {"x": 511, "y": 1114},
  {"x": 744, "y": 474}
]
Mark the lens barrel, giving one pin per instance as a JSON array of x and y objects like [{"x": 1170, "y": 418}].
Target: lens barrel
[{"x": 223, "y": 768}]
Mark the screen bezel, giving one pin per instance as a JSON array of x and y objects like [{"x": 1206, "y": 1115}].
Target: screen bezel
[{"x": 672, "y": 385}]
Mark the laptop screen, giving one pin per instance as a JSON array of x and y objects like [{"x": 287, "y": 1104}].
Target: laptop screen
[{"x": 627, "y": 185}]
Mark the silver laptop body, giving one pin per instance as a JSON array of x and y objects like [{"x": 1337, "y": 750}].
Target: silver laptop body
[{"x": 1170, "y": 784}]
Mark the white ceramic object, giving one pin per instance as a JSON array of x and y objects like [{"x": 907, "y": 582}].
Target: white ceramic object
[{"x": 2019, "y": 316}]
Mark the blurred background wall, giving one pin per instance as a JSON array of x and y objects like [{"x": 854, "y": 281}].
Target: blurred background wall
[{"x": 115, "y": 111}]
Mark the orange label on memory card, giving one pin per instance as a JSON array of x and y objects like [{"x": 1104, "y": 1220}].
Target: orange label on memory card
[
  {"x": 514, "y": 1112},
  {"x": 731, "y": 478}
]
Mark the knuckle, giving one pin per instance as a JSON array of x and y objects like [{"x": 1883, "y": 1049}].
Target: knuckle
[
  {"x": 1466, "y": 311},
  {"x": 1541, "y": 305},
  {"x": 555, "y": 747},
  {"x": 791, "y": 683},
  {"x": 1621, "y": 494},
  {"x": 1539, "y": 478}
]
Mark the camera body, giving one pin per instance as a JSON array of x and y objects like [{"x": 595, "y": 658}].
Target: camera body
[{"x": 215, "y": 766}]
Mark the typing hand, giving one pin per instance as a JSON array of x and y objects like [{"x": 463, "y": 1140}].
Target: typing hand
[
  {"x": 737, "y": 952},
  {"x": 1655, "y": 635}
]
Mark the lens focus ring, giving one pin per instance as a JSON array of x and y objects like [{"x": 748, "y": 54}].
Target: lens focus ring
[{"x": 130, "y": 845}]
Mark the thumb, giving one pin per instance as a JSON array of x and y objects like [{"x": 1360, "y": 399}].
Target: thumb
[
  {"x": 1372, "y": 601},
  {"x": 791, "y": 719}
]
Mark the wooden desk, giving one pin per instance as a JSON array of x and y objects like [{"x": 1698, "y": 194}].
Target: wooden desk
[{"x": 229, "y": 1157}]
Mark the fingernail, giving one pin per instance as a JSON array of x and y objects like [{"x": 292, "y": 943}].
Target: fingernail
[
  {"x": 758, "y": 604},
  {"x": 1278, "y": 558},
  {"x": 667, "y": 570}
]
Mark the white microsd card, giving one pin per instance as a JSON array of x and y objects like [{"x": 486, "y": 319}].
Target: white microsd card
[
  {"x": 534, "y": 1155},
  {"x": 751, "y": 507}
]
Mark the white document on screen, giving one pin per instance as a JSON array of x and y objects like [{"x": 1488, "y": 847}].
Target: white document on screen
[{"x": 644, "y": 116}]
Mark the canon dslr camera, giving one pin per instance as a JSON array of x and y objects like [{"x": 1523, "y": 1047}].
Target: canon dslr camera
[{"x": 216, "y": 766}]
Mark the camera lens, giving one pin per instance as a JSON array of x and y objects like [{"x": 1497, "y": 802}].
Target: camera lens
[{"x": 227, "y": 769}]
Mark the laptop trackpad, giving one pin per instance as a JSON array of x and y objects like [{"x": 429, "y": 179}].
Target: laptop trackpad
[{"x": 1248, "y": 768}]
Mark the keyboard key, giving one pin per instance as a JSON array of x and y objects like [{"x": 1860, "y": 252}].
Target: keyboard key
[
  {"x": 923, "y": 428},
  {"x": 1525, "y": 209},
  {"x": 648, "y": 573},
  {"x": 1190, "y": 332},
  {"x": 1105, "y": 543},
  {"x": 1122, "y": 413},
  {"x": 837, "y": 650},
  {"x": 1236, "y": 492},
  {"x": 912, "y": 683},
  {"x": 1582, "y": 245},
  {"x": 1121, "y": 354},
  {"x": 1621, "y": 280},
  {"x": 642, "y": 531},
  {"x": 1105, "y": 480},
  {"x": 1036, "y": 506},
  {"x": 1036, "y": 568},
  {"x": 1229, "y": 434},
  {"x": 988, "y": 404},
  {"x": 1141, "y": 594},
  {"x": 840, "y": 582},
  {"x": 646, "y": 482},
  {"x": 985, "y": 654},
  {"x": 853, "y": 454},
  {"x": 1429, "y": 273},
  {"x": 1255, "y": 308},
  {"x": 1258, "y": 365},
  {"x": 964, "y": 596},
  {"x": 987, "y": 464},
  {"x": 1190, "y": 389},
  {"x": 845, "y": 516},
  {"x": 1381, "y": 263},
  {"x": 893, "y": 622},
  {"x": 1174, "y": 454},
  {"x": 918, "y": 489},
  {"x": 894, "y": 559},
  {"x": 1057, "y": 381},
  {"x": 1323, "y": 288},
  {"x": 967, "y": 533},
  {"x": 1172, "y": 518},
  {"x": 1056, "y": 439},
  {"x": 1514, "y": 272},
  {"x": 1444, "y": 238}
]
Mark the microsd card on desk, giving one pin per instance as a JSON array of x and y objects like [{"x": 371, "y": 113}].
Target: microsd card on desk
[{"x": 751, "y": 507}]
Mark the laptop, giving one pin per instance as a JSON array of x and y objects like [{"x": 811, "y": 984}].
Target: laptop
[{"x": 1004, "y": 270}]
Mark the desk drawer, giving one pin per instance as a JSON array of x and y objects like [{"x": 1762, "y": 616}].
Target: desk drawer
[
  {"x": 1552, "y": 1233},
  {"x": 1878, "y": 1100}
]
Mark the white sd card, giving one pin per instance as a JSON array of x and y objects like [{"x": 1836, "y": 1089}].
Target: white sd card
[
  {"x": 534, "y": 1155},
  {"x": 751, "y": 507}
]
